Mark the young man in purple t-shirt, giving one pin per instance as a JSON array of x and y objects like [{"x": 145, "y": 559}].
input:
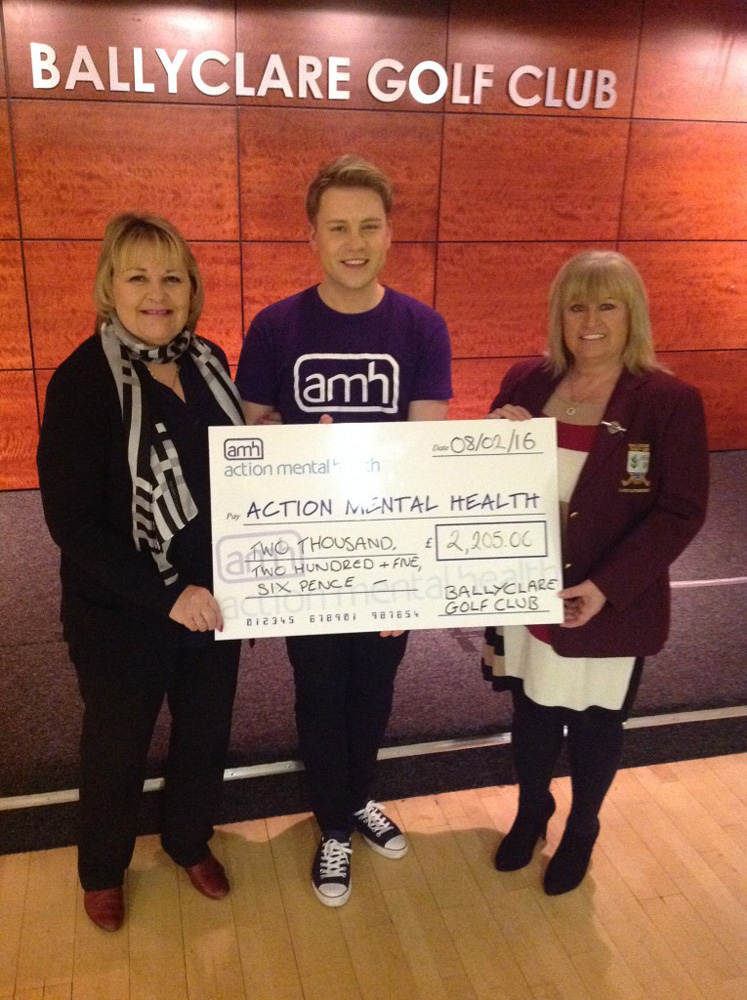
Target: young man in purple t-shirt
[{"x": 347, "y": 349}]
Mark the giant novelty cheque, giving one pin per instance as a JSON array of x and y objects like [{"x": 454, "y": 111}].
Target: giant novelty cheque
[{"x": 383, "y": 526}]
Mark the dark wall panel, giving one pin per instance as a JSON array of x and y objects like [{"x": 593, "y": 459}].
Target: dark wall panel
[
  {"x": 111, "y": 158},
  {"x": 514, "y": 178},
  {"x": 15, "y": 350},
  {"x": 19, "y": 434},
  {"x": 495, "y": 295},
  {"x": 686, "y": 181},
  {"x": 475, "y": 385},
  {"x": 697, "y": 293},
  {"x": 8, "y": 206},
  {"x": 490, "y": 198},
  {"x": 563, "y": 34},
  {"x": 273, "y": 270},
  {"x": 364, "y": 32},
  {"x": 187, "y": 25},
  {"x": 692, "y": 61},
  {"x": 281, "y": 150},
  {"x": 721, "y": 377}
]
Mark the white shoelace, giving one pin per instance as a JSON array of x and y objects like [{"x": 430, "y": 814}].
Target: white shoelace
[
  {"x": 374, "y": 818},
  {"x": 334, "y": 862}
]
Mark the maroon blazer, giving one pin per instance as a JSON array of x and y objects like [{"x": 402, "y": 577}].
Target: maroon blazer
[{"x": 640, "y": 499}]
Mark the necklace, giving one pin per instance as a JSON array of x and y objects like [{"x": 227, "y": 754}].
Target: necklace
[{"x": 572, "y": 405}]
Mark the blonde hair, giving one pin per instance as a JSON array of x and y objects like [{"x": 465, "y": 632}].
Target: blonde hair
[
  {"x": 349, "y": 171},
  {"x": 592, "y": 276},
  {"x": 124, "y": 233}
]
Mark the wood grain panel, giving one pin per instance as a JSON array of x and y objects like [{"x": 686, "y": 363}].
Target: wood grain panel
[
  {"x": 189, "y": 25},
  {"x": 282, "y": 150},
  {"x": 2, "y": 63},
  {"x": 59, "y": 280},
  {"x": 531, "y": 178},
  {"x": 19, "y": 431},
  {"x": 697, "y": 293},
  {"x": 361, "y": 31},
  {"x": 692, "y": 60},
  {"x": 8, "y": 207},
  {"x": 494, "y": 295},
  {"x": 563, "y": 34},
  {"x": 15, "y": 349},
  {"x": 42, "y": 377},
  {"x": 721, "y": 377},
  {"x": 60, "y": 287},
  {"x": 220, "y": 267},
  {"x": 686, "y": 180},
  {"x": 475, "y": 385},
  {"x": 79, "y": 164},
  {"x": 273, "y": 271}
]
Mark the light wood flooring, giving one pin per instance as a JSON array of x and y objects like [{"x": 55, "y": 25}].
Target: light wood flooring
[{"x": 662, "y": 914}]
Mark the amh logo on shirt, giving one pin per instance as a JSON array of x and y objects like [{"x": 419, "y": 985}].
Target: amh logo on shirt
[{"x": 355, "y": 383}]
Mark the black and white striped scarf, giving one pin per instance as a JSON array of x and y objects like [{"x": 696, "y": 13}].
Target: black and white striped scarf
[{"x": 161, "y": 501}]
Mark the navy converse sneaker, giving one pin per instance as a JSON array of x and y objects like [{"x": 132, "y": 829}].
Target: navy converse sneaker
[
  {"x": 330, "y": 874},
  {"x": 379, "y": 832}
]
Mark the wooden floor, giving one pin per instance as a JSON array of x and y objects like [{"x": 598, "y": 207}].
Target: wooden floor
[{"x": 663, "y": 913}]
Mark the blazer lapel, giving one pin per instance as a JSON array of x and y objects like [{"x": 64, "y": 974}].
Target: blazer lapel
[{"x": 608, "y": 443}]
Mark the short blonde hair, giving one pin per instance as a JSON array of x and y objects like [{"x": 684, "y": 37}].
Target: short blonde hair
[
  {"x": 125, "y": 232},
  {"x": 592, "y": 276},
  {"x": 349, "y": 171}
]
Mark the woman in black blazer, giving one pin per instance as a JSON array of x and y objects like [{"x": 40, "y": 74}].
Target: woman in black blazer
[{"x": 123, "y": 470}]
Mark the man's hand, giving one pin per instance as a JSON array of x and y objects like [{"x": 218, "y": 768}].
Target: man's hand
[
  {"x": 581, "y": 603},
  {"x": 196, "y": 609},
  {"x": 385, "y": 635}
]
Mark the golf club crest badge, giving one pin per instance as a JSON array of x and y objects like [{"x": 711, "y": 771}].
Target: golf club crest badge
[{"x": 639, "y": 456}]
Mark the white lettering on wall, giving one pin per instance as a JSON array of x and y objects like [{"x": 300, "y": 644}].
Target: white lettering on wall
[
  {"x": 212, "y": 55},
  {"x": 387, "y": 79},
  {"x": 44, "y": 73},
  {"x": 83, "y": 70},
  {"x": 605, "y": 94}
]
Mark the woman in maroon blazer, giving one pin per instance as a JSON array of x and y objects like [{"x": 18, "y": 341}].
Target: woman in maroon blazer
[{"x": 633, "y": 480}]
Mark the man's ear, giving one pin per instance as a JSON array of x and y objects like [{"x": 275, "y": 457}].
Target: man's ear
[{"x": 312, "y": 238}]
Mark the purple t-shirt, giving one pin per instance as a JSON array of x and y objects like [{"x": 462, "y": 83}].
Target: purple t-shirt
[{"x": 305, "y": 359}]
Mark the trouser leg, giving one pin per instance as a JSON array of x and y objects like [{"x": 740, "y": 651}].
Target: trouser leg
[
  {"x": 200, "y": 698},
  {"x": 321, "y": 667},
  {"x": 369, "y": 705},
  {"x": 595, "y": 741},
  {"x": 118, "y": 722},
  {"x": 536, "y": 739}
]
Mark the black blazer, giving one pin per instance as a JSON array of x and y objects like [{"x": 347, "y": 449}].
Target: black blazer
[{"x": 115, "y": 605}]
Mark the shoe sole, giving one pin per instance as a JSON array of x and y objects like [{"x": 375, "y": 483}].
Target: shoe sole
[
  {"x": 332, "y": 900},
  {"x": 386, "y": 852}
]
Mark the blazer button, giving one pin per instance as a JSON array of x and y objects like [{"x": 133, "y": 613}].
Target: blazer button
[
  {"x": 567, "y": 565},
  {"x": 573, "y": 513}
]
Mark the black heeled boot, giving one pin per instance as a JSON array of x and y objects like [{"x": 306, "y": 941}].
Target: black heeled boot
[
  {"x": 569, "y": 864},
  {"x": 516, "y": 849}
]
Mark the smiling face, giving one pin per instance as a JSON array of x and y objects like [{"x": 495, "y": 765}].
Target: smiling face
[
  {"x": 151, "y": 292},
  {"x": 351, "y": 235},
  {"x": 596, "y": 332}
]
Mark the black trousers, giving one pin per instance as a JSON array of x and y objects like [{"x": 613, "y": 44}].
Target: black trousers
[
  {"x": 595, "y": 742},
  {"x": 118, "y": 721},
  {"x": 344, "y": 690}
]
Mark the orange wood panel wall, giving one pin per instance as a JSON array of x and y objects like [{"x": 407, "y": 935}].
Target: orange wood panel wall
[{"x": 491, "y": 197}]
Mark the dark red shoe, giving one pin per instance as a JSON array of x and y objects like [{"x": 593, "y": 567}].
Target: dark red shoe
[
  {"x": 209, "y": 877},
  {"x": 105, "y": 907}
]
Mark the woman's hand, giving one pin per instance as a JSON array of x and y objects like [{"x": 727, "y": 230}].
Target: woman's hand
[
  {"x": 581, "y": 603},
  {"x": 196, "y": 609},
  {"x": 509, "y": 412}
]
